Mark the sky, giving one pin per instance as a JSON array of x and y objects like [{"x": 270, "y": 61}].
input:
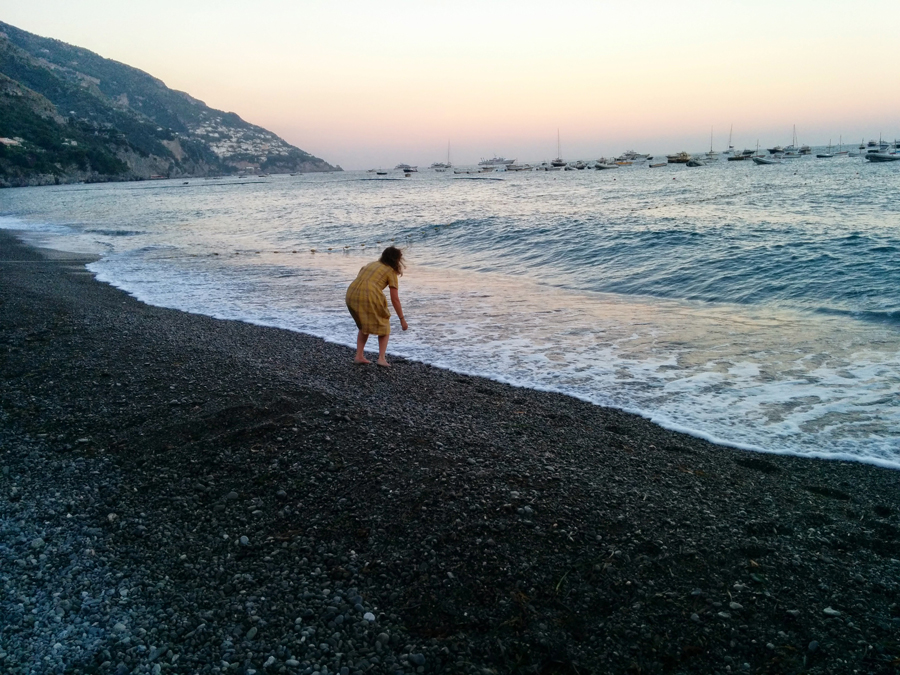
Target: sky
[{"x": 368, "y": 84}]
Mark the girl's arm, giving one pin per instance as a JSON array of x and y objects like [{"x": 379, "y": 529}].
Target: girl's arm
[{"x": 395, "y": 301}]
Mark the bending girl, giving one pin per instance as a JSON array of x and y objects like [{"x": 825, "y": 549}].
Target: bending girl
[{"x": 368, "y": 307}]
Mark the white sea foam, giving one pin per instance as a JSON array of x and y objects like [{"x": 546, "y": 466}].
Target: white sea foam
[{"x": 756, "y": 377}]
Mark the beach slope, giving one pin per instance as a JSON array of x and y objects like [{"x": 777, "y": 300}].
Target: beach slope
[{"x": 212, "y": 496}]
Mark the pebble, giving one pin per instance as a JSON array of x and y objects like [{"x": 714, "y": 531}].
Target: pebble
[
  {"x": 831, "y": 612},
  {"x": 299, "y": 574}
]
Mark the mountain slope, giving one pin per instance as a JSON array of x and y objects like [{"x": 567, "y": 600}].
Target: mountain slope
[{"x": 135, "y": 126}]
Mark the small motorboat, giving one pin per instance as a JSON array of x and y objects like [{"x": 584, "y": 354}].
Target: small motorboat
[
  {"x": 765, "y": 160},
  {"x": 679, "y": 158},
  {"x": 883, "y": 156}
]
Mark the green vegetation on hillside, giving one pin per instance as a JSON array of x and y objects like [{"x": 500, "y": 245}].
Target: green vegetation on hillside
[{"x": 83, "y": 117}]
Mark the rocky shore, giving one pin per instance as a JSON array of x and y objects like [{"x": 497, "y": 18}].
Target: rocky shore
[{"x": 180, "y": 494}]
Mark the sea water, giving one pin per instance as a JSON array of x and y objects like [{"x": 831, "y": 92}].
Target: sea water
[{"x": 756, "y": 306}]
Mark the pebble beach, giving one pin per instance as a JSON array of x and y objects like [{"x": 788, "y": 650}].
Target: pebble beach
[{"x": 181, "y": 494}]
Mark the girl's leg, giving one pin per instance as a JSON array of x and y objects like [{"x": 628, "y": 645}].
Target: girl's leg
[
  {"x": 382, "y": 348},
  {"x": 361, "y": 340}
]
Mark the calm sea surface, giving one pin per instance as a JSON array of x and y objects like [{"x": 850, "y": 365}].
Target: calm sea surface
[{"x": 755, "y": 306}]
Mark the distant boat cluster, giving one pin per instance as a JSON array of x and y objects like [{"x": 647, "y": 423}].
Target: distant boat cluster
[{"x": 874, "y": 151}]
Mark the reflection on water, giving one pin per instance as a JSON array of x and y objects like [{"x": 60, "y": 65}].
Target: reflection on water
[{"x": 754, "y": 307}]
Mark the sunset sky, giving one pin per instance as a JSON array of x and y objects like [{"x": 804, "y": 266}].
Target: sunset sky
[{"x": 365, "y": 84}]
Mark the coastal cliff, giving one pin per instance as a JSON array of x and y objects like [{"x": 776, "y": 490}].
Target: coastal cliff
[{"x": 69, "y": 115}]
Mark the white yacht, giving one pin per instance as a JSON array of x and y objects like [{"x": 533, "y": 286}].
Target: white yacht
[{"x": 496, "y": 161}]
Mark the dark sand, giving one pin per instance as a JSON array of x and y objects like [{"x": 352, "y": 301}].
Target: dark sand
[{"x": 488, "y": 529}]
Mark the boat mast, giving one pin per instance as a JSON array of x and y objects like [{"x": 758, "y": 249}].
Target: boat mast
[
  {"x": 710, "y": 139},
  {"x": 558, "y": 155}
]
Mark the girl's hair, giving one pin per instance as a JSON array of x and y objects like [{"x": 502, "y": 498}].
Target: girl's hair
[{"x": 393, "y": 258}]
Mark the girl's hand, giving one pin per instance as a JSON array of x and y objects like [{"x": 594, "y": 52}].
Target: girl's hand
[{"x": 403, "y": 324}]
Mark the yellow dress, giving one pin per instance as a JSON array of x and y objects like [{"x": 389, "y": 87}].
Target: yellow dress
[{"x": 366, "y": 301}]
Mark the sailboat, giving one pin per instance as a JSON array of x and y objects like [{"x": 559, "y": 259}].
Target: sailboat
[
  {"x": 559, "y": 162},
  {"x": 442, "y": 166},
  {"x": 828, "y": 154},
  {"x": 730, "y": 151},
  {"x": 712, "y": 155},
  {"x": 841, "y": 150}
]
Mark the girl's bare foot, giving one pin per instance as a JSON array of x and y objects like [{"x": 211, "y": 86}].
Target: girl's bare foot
[
  {"x": 363, "y": 361},
  {"x": 383, "y": 363}
]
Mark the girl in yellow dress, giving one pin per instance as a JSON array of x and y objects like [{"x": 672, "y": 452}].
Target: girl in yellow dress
[{"x": 368, "y": 307}]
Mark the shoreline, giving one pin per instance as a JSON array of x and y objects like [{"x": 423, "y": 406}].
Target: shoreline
[{"x": 480, "y": 525}]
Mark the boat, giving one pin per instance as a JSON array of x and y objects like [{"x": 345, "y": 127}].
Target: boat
[
  {"x": 762, "y": 159},
  {"x": 658, "y": 164},
  {"x": 712, "y": 155},
  {"x": 694, "y": 162},
  {"x": 777, "y": 150},
  {"x": 604, "y": 163},
  {"x": 381, "y": 173},
  {"x": 805, "y": 150},
  {"x": 679, "y": 158},
  {"x": 406, "y": 168},
  {"x": 623, "y": 162},
  {"x": 496, "y": 161},
  {"x": 559, "y": 162},
  {"x": 580, "y": 165},
  {"x": 883, "y": 156},
  {"x": 738, "y": 158},
  {"x": 632, "y": 156},
  {"x": 841, "y": 150},
  {"x": 519, "y": 167},
  {"x": 791, "y": 151},
  {"x": 443, "y": 166},
  {"x": 730, "y": 151},
  {"x": 828, "y": 154}
]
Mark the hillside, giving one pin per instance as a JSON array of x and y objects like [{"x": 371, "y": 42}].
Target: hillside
[{"x": 68, "y": 114}]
